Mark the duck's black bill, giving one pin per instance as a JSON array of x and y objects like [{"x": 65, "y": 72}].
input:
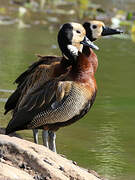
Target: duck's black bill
[
  {"x": 109, "y": 31},
  {"x": 87, "y": 42}
]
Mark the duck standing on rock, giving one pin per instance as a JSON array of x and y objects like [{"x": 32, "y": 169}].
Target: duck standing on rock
[
  {"x": 65, "y": 98},
  {"x": 43, "y": 71}
]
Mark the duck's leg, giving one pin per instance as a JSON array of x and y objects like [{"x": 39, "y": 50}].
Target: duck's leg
[
  {"x": 35, "y": 134},
  {"x": 51, "y": 139},
  {"x": 45, "y": 138}
]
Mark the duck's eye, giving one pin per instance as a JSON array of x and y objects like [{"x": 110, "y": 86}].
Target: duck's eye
[
  {"x": 94, "y": 26},
  {"x": 78, "y": 31}
]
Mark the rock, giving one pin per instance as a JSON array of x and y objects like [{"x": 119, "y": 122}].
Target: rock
[
  {"x": 8, "y": 172},
  {"x": 21, "y": 159}
]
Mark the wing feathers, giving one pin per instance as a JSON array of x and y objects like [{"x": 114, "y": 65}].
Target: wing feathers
[
  {"x": 28, "y": 78},
  {"x": 39, "y": 91}
]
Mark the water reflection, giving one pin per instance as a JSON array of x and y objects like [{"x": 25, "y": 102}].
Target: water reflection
[
  {"x": 109, "y": 150},
  {"x": 3, "y": 99},
  {"x": 6, "y": 90}
]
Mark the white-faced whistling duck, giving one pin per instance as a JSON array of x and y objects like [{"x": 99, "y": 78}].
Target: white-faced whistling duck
[
  {"x": 67, "y": 96},
  {"x": 94, "y": 30}
]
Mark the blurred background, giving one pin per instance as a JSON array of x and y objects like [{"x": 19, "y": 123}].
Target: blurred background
[{"x": 104, "y": 140}]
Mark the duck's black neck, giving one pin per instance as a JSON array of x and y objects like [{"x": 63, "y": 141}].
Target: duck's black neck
[
  {"x": 68, "y": 57},
  {"x": 65, "y": 62},
  {"x": 72, "y": 59},
  {"x": 86, "y": 51}
]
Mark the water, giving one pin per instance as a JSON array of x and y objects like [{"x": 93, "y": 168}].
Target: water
[{"x": 104, "y": 139}]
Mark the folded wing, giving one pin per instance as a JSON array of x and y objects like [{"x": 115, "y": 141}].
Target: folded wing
[
  {"x": 38, "y": 70},
  {"x": 33, "y": 106}
]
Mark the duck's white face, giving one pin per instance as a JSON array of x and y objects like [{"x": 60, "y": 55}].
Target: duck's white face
[
  {"x": 79, "y": 34},
  {"x": 96, "y": 28},
  {"x": 70, "y": 37}
]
